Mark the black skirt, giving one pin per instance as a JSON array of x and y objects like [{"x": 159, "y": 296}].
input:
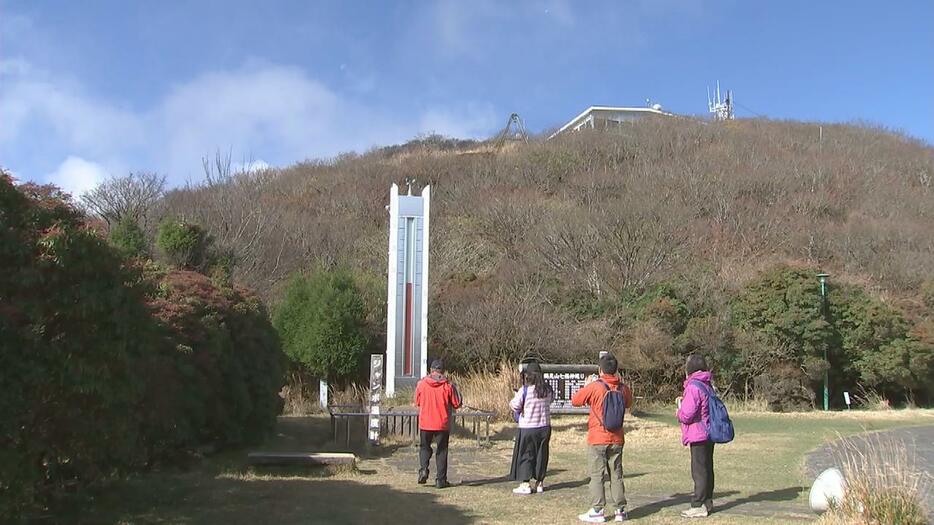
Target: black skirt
[{"x": 530, "y": 454}]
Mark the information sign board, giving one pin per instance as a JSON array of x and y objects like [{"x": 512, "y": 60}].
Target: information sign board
[{"x": 565, "y": 380}]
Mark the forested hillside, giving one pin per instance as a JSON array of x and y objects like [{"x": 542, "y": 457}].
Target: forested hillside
[
  {"x": 640, "y": 240},
  {"x": 654, "y": 241}
]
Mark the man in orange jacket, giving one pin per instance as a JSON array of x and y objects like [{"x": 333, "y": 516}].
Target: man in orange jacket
[
  {"x": 605, "y": 447},
  {"x": 436, "y": 399}
]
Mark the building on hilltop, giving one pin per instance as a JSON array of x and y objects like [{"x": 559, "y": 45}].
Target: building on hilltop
[{"x": 609, "y": 117}]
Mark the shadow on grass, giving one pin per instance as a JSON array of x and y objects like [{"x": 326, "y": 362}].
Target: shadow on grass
[
  {"x": 788, "y": 494},
  {"x": 503, "y": 479},
  {"x": 485, "y": 481},
  {"x": 567, "y": 485},
  {"x": 385, "y": 449},
  {"x": 677, "y": 499},
  {"x": 549, "y": 487},
  {"x": 233, "y": 501},
  {"x": 582, "y": 482}
]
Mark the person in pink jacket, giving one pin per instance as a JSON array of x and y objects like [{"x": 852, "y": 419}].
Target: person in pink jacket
[{"x": 694, "y": 415}]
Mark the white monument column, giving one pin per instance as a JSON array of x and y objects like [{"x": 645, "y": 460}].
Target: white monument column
[{"x": 407, "y": 289}]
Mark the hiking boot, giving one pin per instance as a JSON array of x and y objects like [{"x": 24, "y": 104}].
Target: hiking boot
[
  {"x": 442, "y": 484},
  {"x": 523, "y": 488},
  {"x": 694, "y": 512},
  {"x": 592, "y": 516},
  {"x": 621, "y": 515},
  {"x": 422, "y": 477}
]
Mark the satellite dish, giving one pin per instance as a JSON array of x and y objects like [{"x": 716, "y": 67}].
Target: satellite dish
[
  {"x": 657, "y": 107},
  {"x": 827, "y": 490}
]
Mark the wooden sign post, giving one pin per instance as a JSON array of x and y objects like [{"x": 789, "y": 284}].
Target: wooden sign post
[{"x": 376, "y": 390}]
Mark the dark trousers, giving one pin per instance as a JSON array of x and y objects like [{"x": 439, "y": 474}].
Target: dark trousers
[
  {"x": 702, "y": 472},
  {"x": 530, "y": 454},
  {"x": 426, "y": 437}
]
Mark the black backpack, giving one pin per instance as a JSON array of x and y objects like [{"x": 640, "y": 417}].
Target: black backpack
[{"x": 614, "y": 408}]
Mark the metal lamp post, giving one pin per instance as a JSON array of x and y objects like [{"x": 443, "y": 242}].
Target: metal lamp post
[{"x": 823, "y": 295}]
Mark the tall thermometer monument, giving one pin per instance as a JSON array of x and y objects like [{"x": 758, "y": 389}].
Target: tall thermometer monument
[{"x": 407, "y": 312}]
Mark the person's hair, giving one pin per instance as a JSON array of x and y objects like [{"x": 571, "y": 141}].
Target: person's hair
[
  {"x": 608, "y": 364},
  {"x": 694, "y": 363},
  {"x": 532, "y": 376},
  {"x": 536, "y": 378}
]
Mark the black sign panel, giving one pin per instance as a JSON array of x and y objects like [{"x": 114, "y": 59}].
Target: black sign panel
[{"x": 565, "y": 380}]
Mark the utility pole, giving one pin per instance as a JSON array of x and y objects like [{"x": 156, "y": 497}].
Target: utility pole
[{"x": 823, "y": 296}]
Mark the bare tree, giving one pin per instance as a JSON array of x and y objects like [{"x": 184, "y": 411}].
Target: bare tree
[
  {"x": 131, "y": 196},
  {"x": 234, "y": 205},
  {"x": 640, "y": 239}
]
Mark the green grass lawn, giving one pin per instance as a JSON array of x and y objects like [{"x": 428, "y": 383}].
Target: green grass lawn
[
  {"x": 765, "y": 464},
  {"x": 760, "y": 478}
]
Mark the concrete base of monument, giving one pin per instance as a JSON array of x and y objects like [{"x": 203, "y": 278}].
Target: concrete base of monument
[{"x": 302, "y": 458}]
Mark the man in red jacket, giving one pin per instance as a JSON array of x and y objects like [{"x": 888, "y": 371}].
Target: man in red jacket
[{"x": 436, "y": 399}]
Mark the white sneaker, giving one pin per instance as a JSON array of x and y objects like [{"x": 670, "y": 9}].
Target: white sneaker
[
  {"x": 540, "y": 487},
  {"x": 621, "y": 515},
  {"x": 695, "y": 512},
  {"x": 592, "y": 516},
  {"x": 523, "y": 488}
]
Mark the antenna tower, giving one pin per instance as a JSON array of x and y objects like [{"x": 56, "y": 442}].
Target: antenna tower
[
  {"x": 721, "y": 109},
  {"x": 514, "y": 131}
]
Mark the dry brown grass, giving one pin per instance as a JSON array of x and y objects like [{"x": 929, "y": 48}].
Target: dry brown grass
[
  {"x": 883, "y": 485},
  {"x": 489, "y": 390},
  {"x": 481, "y": 389},
  {"x": 746, "y": 405},
  {"x": 871, "y": 400},
  {"x": 402, "y": 398},
  {"x": 298, "y": 400},
  {"x": 355, "y": 394}
]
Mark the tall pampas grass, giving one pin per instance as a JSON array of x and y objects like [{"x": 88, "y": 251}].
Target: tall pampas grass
[
  {"x": 489, "y": 390},
  {"x": 883, "y": 484}
]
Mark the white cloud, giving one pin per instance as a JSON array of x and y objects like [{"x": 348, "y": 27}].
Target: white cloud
[
  {"x": 474, "y": 122},
  {"x": 250, "y": 166},
  {"x": 77, "y": 176},
  {"x": 463, "y": 29},
  {"x": 28, "y": 94},
  {"x": 270, "y": 109},
  {"x": 15, "y": 66},
  {"x": 461, "y": 25},
  {"x": 277, "y": 113},
  {"x": 561, "y": 12}
]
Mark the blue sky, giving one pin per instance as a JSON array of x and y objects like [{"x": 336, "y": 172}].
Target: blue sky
[{"x": 90, "y": 89}]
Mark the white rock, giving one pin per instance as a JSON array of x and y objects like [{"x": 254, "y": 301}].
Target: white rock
[{"x": 827, "y": 490}]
